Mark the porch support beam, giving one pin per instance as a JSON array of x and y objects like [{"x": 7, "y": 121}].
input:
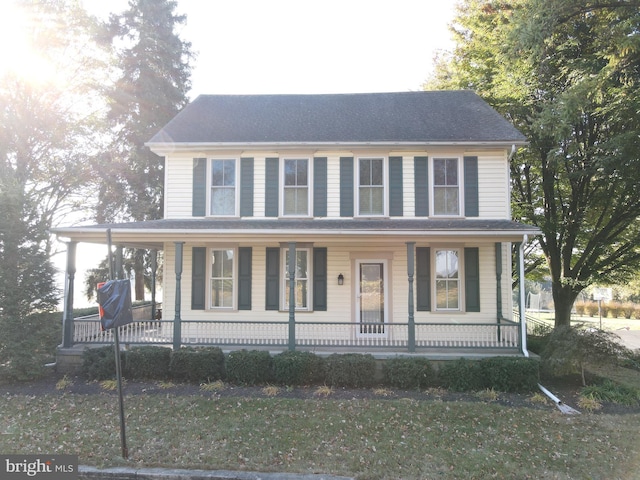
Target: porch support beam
[
  {"x": 521, "y": 306},
  {"x": 411, "y": 329},
  {"x": 177, "y": 321},
  {"x": 292, "y": 296},
  {"x": 67, "y": 317},
  {"x": 154, "y": 269}
]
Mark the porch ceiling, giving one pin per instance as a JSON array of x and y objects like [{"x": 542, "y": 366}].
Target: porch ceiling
[{"x": 153, "y": 234}]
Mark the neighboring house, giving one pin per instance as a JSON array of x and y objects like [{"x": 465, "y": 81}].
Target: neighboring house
[{"x": 353, "y": 222}]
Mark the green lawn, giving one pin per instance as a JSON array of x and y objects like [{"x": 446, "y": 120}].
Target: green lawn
[{"x": 369, "y": 439}]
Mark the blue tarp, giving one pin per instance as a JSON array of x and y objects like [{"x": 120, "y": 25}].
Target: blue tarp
[{"x": 115, "y": 299}]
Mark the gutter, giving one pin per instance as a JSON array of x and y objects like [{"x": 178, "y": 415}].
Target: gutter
[{"x": 566, "y": 409}]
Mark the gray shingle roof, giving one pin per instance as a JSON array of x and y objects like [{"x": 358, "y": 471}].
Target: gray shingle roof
[{"x": 435, "y": 116}]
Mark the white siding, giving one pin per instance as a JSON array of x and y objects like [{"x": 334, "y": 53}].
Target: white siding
[
  {"x": 333, "y": 186},
  {"x": 409, "y": 197},
  {"x": 179, "y": 187},
  {"x": 258, "y": 186},
  {"x": 493, "y": 187}
]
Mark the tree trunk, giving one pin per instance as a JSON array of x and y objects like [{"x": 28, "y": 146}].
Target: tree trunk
[
  {"x": 563, "y": 298},
  {"x": 138, "y": 268}
]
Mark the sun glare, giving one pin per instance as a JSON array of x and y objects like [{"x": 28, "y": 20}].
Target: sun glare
[{"x": 17, "y": 55}]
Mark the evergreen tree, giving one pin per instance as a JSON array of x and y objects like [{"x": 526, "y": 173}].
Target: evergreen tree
[
  {"x": 567, "y": 73},
  {"x": 152, "y": 86}
]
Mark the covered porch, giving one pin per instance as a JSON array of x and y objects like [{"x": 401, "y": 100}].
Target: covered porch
[{"x": 407, "y": 333}]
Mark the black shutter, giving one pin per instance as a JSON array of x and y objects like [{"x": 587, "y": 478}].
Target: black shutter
[
  {"x": 272, "y": 287},
  {"x": 198, "y": 277},
  {"x": 199, "y": 191},
  {"x": 421, "y": 185},
  {"x": 471, "y": 187},
  {"x": 423, "y": 279},
  {"x": 320, "y": 187},
  {"x": 346, "y": 186},
  {"x": 320, "y": 279},
  {"x": 246, "y": 187},
  {"x": 272, "y": 190},
  {"x": 472, "y": 279},
  {"x": 395, "y": 187},
  {"x": 244, "y": 278}
]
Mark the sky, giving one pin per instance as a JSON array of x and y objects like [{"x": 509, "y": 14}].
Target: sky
[{"x": 304, "y": 46}]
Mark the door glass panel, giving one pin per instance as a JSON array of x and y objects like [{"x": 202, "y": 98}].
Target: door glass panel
[{"x": 371, "y": 298}]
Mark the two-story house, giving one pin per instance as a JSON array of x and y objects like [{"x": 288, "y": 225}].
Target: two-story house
[{"x": 351, "y": 221}]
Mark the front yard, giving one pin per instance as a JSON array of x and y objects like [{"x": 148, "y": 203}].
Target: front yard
[{"x": 373, "y": 434}]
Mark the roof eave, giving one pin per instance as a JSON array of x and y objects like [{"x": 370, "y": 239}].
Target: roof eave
[{"x": 163, "y": 148}]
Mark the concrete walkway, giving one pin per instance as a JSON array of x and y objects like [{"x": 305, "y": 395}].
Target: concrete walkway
[{"x": 125, "y": 473}]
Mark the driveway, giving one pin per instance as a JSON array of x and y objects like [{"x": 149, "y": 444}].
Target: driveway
[{"x": 630, "y": 338}]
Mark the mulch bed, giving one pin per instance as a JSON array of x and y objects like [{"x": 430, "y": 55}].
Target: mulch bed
[{"x": 566, "y": 389}]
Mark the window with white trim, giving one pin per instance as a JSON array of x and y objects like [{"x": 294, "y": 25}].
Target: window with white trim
[
  {"x": 302, "y": 281},
  {"x": 222, "y": 282},
  {"x": 371, "y": 186},
  {"x": 447, "y": 279},
  {"x": 223, "y": 197},
  {"x": 446, "y": 186},
  {"x": 295, "y": 187}
]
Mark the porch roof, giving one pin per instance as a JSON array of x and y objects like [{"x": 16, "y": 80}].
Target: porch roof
[{"x": 153, "y": 233}]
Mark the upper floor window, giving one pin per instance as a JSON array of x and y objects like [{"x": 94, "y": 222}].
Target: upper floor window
[
  {"x": 295, "y": 187},
  {"x": 447, "y": 280},
  {"x": 446, "y": 186},
  {"x": 371, "y": 191},
  {"x": 222, "y": 278},
  {"x": 223, "y": 187}
]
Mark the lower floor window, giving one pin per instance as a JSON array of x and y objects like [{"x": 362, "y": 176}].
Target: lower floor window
[
  {"x": 301, "y": 288},
  {"x": 447, "y": 280},
  {"x": 222, "y": 278}
]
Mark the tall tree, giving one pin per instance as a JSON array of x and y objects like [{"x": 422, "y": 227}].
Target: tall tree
[
  {"x": 567, "y": 73},
  {"x": 152, "y": 86},
  {"x": 47, "y": 131}
]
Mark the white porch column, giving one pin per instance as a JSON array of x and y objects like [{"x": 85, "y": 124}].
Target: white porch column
[
  {"x": 67, "y": 317},
  {"x": 521, "y": 306}
]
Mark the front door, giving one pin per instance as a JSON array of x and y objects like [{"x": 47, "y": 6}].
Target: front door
[{"x": 370, "y": 299}]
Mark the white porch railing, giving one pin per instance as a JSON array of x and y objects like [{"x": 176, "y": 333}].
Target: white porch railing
[{"x": 307, "y": 334}]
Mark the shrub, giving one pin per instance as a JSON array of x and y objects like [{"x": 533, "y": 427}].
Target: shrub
[
  {"x": 100, "y": 363},
  {"x": 196, "y": 365},
  {"x": 298, "y": 368},
  {"x": 580, "y": 308},
  {"x": 250, "y": 367},
  {"x": 150, "y": 362},
  {"x": 510, "y": 374},
  {"x": 614, "y": 310},
  {"x": 461, "y": 375},
  {"x": 351, "y": 370},
  {"x": 409, "y": 373},
  {"x": 627, "y": 310},
  {"x": 537, "y": 343},
  {"x": 613, "y": 392},
  {"x": 591, "y": 308},
  {"x": 570, "y": 350},
  {"x": 636, "y": 313}
]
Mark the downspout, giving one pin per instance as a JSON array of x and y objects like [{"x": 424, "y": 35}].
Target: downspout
[{"x": 523, "y": 319}]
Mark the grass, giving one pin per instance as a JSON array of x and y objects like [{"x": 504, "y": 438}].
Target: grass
[{"x": 368, "y": 439}]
